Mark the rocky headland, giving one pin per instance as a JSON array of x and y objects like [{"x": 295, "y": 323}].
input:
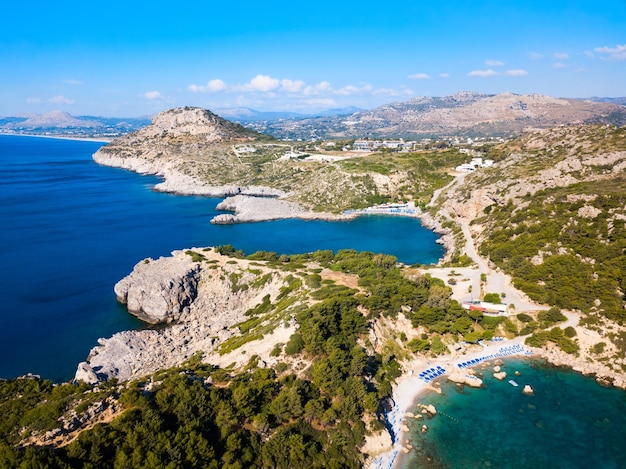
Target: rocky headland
[
  {"x": 201, "y": 296},
  {"x": 196, "y": 152},
  {"x": 172, "y": 136}
]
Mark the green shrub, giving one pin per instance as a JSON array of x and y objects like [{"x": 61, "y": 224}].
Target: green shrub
[
  {"x": 598, "y": 348},
  {"x": 276, "y": 351},
  {"x": 551, "y": 316},
  {"x": 437, "y": 347},
  {"x": 195, "y": 256},
  {"x": 509, "y": 326},
  {"x": 570, "y": 332},
  {"x": 418, "y": 345},
  {"x": 229, "y": 250},
  {"x": 295, "y": 345},
  {"x": 313, "y": 281},
  {"x": 492, "y": 298},
  {"x": 527, "y": 329}
]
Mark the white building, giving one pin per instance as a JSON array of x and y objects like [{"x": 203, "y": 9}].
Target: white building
[{"x": 472, "y": 165}]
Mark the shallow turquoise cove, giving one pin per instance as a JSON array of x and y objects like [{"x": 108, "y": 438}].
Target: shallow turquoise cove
[{"x": 570, "y": 422}]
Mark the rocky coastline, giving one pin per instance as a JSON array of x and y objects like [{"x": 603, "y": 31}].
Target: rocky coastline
[
  {"x": 195, "y": 292},
  {"x": 584, "y": 364},
  {"x": 248, "y": 208},
  {"x": 200, "y": 306},
  {"x": 248, "y": 204}
]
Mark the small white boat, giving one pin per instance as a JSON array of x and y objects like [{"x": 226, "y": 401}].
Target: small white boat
[{"x": 513, "y": 383}]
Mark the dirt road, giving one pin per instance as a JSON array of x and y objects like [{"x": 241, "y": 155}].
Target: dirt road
[{"x": 468, "y": 279}]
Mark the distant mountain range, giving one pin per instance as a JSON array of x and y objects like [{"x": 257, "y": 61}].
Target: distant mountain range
[
  {"x": 461, "y": 114},
  {"x": 63, "y": 124},
  {"x": 597, "y": 99},
  {"x": 243, "y": 114}
]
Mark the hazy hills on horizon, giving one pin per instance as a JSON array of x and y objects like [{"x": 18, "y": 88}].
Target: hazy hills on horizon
[{"x": 464, "y": 113}]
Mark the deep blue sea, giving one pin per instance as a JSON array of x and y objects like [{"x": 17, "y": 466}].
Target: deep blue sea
[
  {"x": 70, "y": 229},
  {"x": 570, "y": 422}
]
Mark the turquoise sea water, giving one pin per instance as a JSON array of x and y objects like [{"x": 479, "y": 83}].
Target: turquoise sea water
[
  {"x": 70, "y": 229},
  {"x": 570, "y": 422}
]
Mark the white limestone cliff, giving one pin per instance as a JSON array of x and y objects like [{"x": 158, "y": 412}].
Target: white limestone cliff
[
  {"x": 160, "y": 290},
  {"x": 200, "y": 300}
]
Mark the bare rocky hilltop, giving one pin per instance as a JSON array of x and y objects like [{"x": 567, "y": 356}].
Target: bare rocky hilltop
[
  {"x": 183, "y": 146},
  {"x": 466, "y": 113}
]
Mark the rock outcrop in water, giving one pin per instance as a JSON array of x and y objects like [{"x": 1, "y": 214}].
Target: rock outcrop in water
[{"x": 160, "y": 290}]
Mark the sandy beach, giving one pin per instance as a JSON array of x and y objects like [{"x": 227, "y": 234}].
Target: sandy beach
[{"x": 422, "y": 376}]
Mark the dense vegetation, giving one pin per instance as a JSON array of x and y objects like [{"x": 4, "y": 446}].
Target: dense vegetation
[
  {"x": 202, "y": 416},
  {"x": 558, "y": 221},
  {"x": 583, "y": 260}
]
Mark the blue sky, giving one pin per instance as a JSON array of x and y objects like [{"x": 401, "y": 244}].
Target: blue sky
[{"x": 130, "y": 59}]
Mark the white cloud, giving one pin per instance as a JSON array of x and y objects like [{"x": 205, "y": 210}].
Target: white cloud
[
  {"x": 516, "y": 73},
  {"x": 321, "y": 87},
  {"x": 33, "y": 100},
  {"x": 561, "y": 56},
  {"x": 494, "y": 63},
  {"x": 73, "y": 82},
  {"x": 612, "y": 53},
  {"x": 535, "y": 56},
  {"x": 482, "y": 73},
  {"x": 60, "y": 99},
  {"x": 262, "y": 83},
  {"x": 212, "y": 86},
  {"x": 291, "y": 86},
  {"x": 262, "y": 90},
  {"x": 559, "y": 65},
  {"x": 419, "y": 76},
  {"x": 324, "y": 86},
  {"x": 272, "y": 87},
  {"x": 444, "y": 75},
  {"x": 351, "y": 89},
  {"x": 152, "y": 95},
  {"x": 589, "y": 54},
  {"x": 215, "y": 85},
  {"x": 347, "y": 90}
]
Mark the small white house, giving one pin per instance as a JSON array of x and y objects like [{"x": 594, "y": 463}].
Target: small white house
[{"x": 466, "y": 168}]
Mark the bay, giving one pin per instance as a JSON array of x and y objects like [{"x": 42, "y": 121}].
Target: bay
[
  {"x": 569, "y": 422},
  {"x": 70, "y": 229}
]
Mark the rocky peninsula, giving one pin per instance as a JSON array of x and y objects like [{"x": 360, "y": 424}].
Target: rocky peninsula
[
  {"x": 196, "y": 152},
  {"x": 199, "y": 294}
]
